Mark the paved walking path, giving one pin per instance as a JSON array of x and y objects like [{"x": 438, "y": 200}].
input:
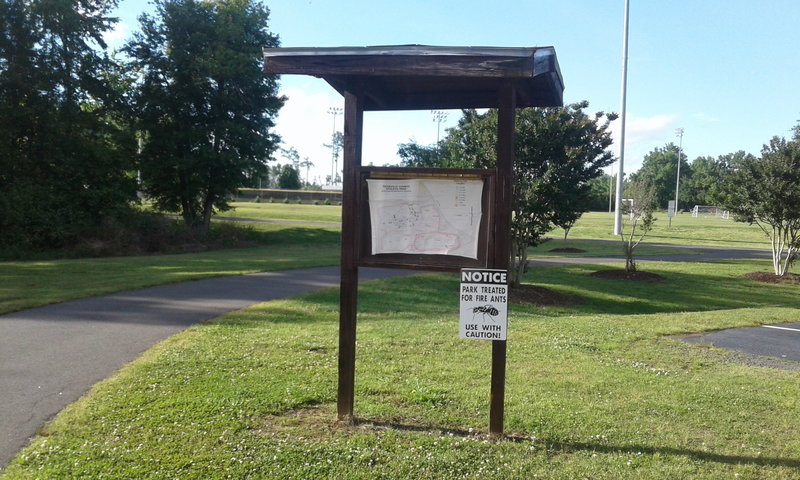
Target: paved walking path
[{"x": 50, "y": 356}]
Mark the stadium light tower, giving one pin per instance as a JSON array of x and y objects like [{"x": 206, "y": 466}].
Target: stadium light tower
[
  {"x": 439, "y": 116},
  {"x": 334, "y": 153},
  {"x": 621, "y": 170}
]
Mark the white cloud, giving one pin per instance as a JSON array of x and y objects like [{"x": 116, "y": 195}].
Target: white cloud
[
  {"x": 116, "y": 37},
  {"x": 646, "y": 130},
  {"x": 642, "y": 134}
]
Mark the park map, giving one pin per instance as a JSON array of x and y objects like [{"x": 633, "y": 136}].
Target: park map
[{"x": 429, "y": 216}]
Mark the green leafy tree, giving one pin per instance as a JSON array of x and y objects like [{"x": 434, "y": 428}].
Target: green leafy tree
[
  {"x": 65, "y": 154},
  {"x": 557, "y": 152},
  {"x": 289, "y": 178},
  {"x": 599, "y": 192},
  {"x": 703, "y": 187},
  {"x": 204, "y": 105},
  {"x": 659, "y": 170},
  {"x": 766, "y": 191},
  {"x": 414, "y": 155}
]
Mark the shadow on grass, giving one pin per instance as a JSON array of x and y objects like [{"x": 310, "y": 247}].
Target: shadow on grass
[
  {"x": 436, "y": 294},
  {"x": 710, "y": 240},
  {"x": 304, "y": 235},
  {"x": 573, "y": 447},
  {"x": 680, "y": 291}
]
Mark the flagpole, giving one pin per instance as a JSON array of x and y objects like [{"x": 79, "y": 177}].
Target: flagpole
[{"x": 620, "y": 170}]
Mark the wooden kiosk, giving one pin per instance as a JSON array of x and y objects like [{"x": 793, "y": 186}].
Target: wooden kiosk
[{"x": 418, "y": 77}]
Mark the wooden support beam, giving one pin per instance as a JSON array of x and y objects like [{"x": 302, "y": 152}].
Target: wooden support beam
[
  {"x": 459, "y": 66},
  {"x": 500, "y": 257},
  {"x": 348, "y": 297}
]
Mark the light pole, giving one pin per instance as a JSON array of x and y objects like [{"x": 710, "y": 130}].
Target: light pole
[
  {"x": 621, "y": 169},
  {"x": 439, "y": 116},
  {"x": 334, "y": 153},
  {"x": 679, "y": 133}
]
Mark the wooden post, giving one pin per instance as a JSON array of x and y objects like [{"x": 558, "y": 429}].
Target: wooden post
[
  {"x": 502, "y": 242},
  {"x": 348, "y": 297}
]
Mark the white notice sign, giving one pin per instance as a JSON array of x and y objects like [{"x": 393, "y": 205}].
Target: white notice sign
[
  {"x": 425, "y": 216},
  {"x": 484, "y": 304}
]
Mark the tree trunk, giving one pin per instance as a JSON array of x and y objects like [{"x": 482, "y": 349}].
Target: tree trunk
[
  {"x": 208, "y": 210},
  {"x": 630, "y": 263},
  {"x": 517, "y": 265},
  {"x": 188, "y": 215},
  {"x": 627, "y": 247}
]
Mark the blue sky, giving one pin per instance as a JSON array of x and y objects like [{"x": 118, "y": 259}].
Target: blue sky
[{"x": 726, "y": 71}]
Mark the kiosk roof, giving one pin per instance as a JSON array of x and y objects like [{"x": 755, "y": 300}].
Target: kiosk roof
[{"x": 417, "y": 77}]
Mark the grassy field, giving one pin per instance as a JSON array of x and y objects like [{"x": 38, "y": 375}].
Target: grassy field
[
  {"x": 685, "y": 229},
  {"x": 281, "y": 211},
  {"x": 595, "y": 391}
]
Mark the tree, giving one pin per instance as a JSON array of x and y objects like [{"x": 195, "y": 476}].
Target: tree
[
  {"x": 414, "y": 155},
  {"x": 659, "y": 170},
  {"x": 306, "y": 163},
  {"x": 336, "y": 145},
  {"x": 65, "y": 151},
  {"x": 639, "y": 210},
  {"x": 600, "y": 190},
  {"x": 703, "y": 187},
  {"x": 557, "y": 152},
  {"x": 766, "y": 192},
  {"x": 289, "y": 178},
  {"x": 204, "y": 105},
  {"x": 292, "y": 155}
]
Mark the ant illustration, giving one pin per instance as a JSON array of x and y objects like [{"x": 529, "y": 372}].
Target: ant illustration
[{"x": 485, "y": 310}]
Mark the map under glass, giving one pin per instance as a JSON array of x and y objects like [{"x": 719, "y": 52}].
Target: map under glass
[{"x": 425, "y": 216}]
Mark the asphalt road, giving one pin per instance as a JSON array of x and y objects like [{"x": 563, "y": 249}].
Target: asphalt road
[
  {"x": 50, "y": 356},
  {"x": 779, "y": 341}
]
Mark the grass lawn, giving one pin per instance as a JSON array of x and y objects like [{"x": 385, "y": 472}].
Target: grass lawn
[
  {"x": 30, "y": 284},
  {"x": 285, "y": 211},
  {"x": 599, "y": 249},
  {"x": 685, "y": 230},
  {"x": 594, "y": 391}
]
